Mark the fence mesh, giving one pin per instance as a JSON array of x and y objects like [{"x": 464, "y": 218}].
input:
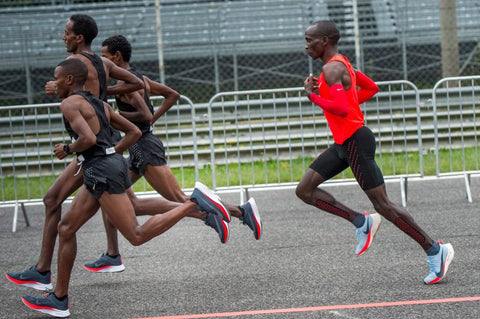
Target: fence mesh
[{"x": 215, "y": 46}]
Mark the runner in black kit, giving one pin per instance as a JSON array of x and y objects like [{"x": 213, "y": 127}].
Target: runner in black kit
[
  {"x": 79, "y": 33},
  {"x": 147, "y": 155},
  {"x": 105, "y": 181},
  {"x": 354, "y": 147}
]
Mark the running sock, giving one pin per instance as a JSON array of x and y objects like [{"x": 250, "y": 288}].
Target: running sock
[
  {"x": 433, "y": 250},
  {"x": 359, "y": 220},
  {"x": 61, "y": 298},
  {"x": 114, "y": 256},
  {"x": 43, "y": 273}
]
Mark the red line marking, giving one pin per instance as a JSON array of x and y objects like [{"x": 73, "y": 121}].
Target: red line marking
[{"x": 319, "y": 308}]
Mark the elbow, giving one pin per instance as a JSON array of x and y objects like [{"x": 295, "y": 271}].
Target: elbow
[
  {"x": 137, "y": 133},
  {"x": 343, "y": 113},
  {"x": 91, "y": 140},
  {"x": 140, "y": 85},
  {"x": 175, "y": 96},
  {"x": 148, "y": 117}
]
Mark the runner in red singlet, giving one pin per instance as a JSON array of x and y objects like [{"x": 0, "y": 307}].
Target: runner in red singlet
[{"x": 341, "y": 90}]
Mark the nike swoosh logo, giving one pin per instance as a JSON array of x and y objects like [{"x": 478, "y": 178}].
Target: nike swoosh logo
[
  {"x": 368, "y": 227},
  {"x": 440, "y": 273}
]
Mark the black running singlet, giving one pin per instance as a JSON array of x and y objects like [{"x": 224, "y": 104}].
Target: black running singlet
[
  {"x": 105, "y": 142},
  {"x": 123, "y": 106},
  {"x": 102, "y": 76}
]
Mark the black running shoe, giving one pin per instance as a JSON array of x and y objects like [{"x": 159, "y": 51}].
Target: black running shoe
[
  {"x": 48, "y": 304},
  {"x": 31, "y": 278},
  {"x": 251, "y": 217}
]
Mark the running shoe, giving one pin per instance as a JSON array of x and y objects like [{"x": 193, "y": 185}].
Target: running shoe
[
  {"x": 48, "y": 304},
  {"x": 220, "y": 226},
  {"x": 106, "y": 264},
  {"x": 31, "y": 278},
  {"x": 438, "y": 264},
  {"x": 251, "y": 217},
  {"x": 209, "y": 202},
  {"x": 367, "y": 232}
]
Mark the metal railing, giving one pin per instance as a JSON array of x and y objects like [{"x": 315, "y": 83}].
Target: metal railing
[
  {"x": 456, "y": 114},
  {"x": 252, "y": 132},
  {"x": 262, "y": 138},
  {"x": 28, "y": 134}
]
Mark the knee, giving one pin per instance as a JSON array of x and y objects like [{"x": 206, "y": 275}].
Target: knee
[
  {"x": 52, "y": 203},
  {"x": 301, "y": 192},
  {"x": 134, "y": 238},
  {"x": 387, "y": 209},
  {"x": 135, "y": 241},
  {"x": 64, "y": 230}
]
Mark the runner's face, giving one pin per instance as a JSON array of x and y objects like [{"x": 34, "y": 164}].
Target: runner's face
[
  {"x": 106, "y": 54},
  {"x": 314, "y": 43},
  {"x": 70, "y": 38},
  {"x": 62, "y": 88}
]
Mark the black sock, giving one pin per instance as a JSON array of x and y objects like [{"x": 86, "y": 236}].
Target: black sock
[
  {"x": 61, "y": 298},
  {"x": 114, "y": 256}
]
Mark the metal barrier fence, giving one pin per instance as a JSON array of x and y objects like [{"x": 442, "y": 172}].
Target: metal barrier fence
[
  {"x": 456, "y": 113},
  {"x": 28, "y": 134},
  {"x": 262, "y": 138},
  {"x": 269, "y": 137}
]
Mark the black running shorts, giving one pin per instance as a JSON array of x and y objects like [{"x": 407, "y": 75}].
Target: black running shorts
[
  {"x": 148, "y": 150},
  {"x": 106, "y": 174},
  {"x": 358, "y": 153}
]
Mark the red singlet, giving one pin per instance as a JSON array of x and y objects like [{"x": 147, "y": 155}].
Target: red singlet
[{"x": 343, "y": 127}]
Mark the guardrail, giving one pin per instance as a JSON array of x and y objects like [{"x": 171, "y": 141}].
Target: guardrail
[
  {"x": 247, "y": 133},
  {"x": 456, "y": 100},
  {"x": 276, "y": 127},
  {"x": 28, "y": 134}
]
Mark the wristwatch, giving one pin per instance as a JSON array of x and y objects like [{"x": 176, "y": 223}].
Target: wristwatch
[{"x": 66, "y": 149}]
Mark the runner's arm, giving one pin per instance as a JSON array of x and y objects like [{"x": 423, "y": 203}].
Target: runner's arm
[
  {"x": 132, "y": 133},
  {"x": 141, "y": 113},
  {"x": 86, "y": 137},
  {"x": 367, "y": 88},
  {"x": 171, "y": 97},
  {"x": 130, "y": 82}
]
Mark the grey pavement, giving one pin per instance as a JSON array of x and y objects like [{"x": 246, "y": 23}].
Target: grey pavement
[{"x": 304, "y": 259}]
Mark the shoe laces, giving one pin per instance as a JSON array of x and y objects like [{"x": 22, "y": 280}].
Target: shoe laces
[{"x": 432, "y": 262}]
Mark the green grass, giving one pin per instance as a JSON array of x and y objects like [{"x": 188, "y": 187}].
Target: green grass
[{"x": 263, "y": 172}]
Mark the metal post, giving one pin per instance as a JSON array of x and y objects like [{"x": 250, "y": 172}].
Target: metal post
[
  {"x": 448, "y": 28},
  {"x": 358, "y": 55},
  {"x": 161, "y": 66}
]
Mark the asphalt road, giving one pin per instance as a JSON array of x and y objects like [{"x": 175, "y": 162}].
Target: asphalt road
[{"x": 303, "y": 267}]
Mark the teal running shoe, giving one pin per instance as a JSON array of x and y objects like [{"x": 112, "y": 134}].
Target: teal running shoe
[
  {"x": 438, "y": 264},
  {"x": 367, "y": 232}
]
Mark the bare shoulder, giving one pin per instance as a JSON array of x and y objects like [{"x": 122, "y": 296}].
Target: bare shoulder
[
  {"x": 334, "y": 72},
  {"x": 72, "y": 104},
  {"x": 107, "y": 64},
  {"x": 80, "y": 57},
  {"x": 335, "y": 67}
]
